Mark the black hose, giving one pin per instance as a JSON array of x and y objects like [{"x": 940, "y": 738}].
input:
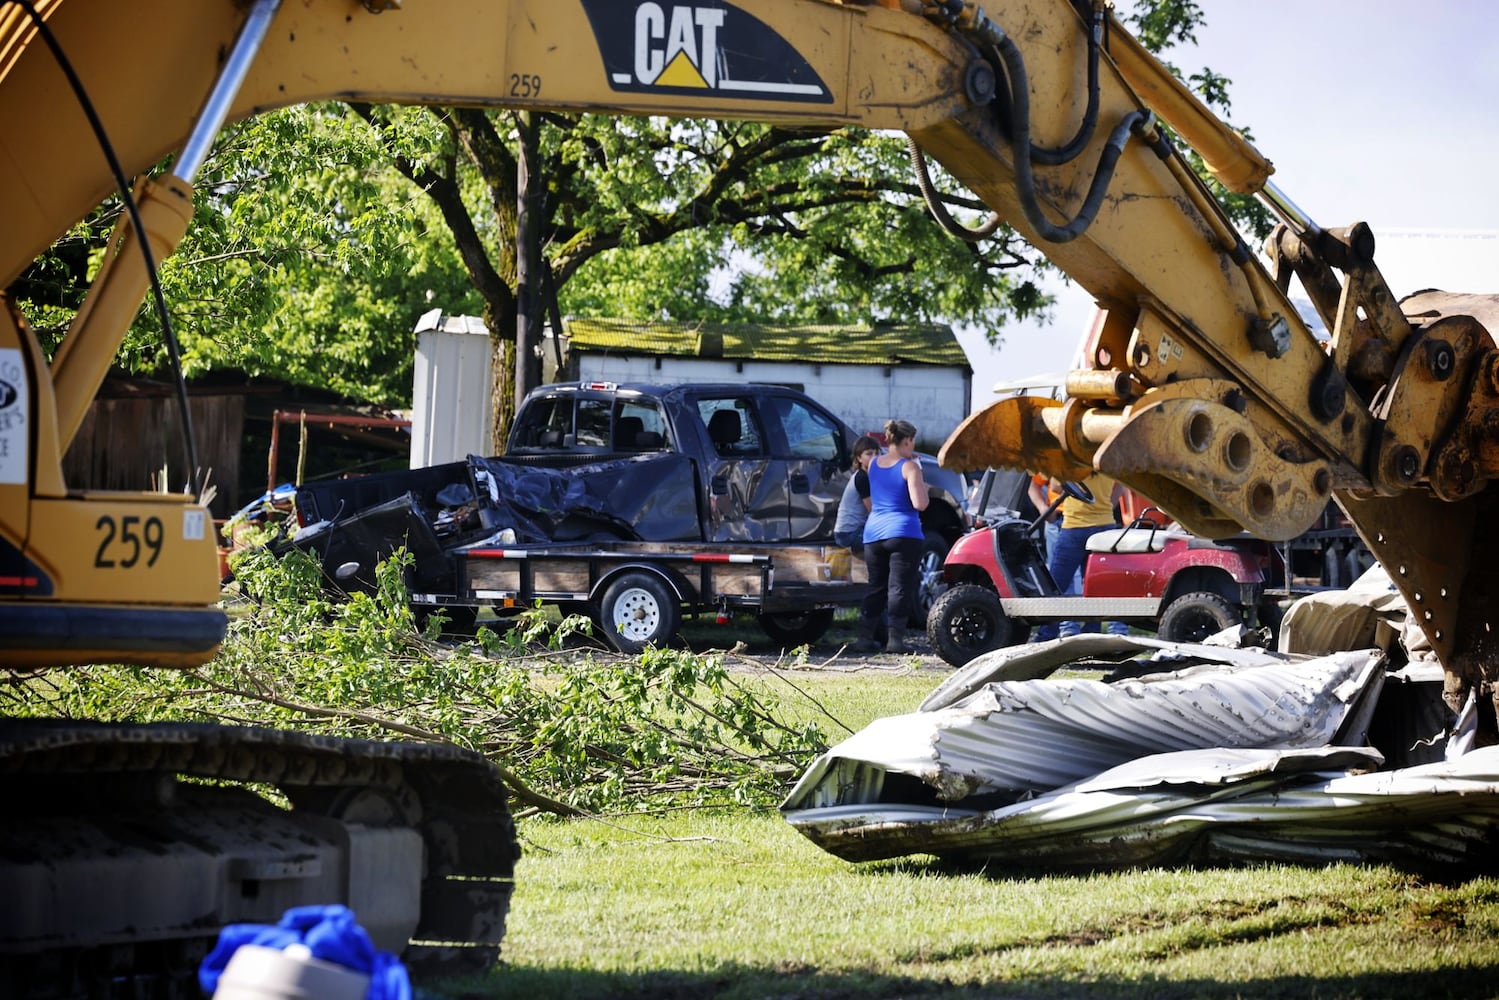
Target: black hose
[
  {"x": 1020, "y": 147},
  {"x": 1055, "y": 157},
  {"x": 1046, "y": 156},
  {"x": 939, "y": 211},
  {"x": 174, "y": 353}
]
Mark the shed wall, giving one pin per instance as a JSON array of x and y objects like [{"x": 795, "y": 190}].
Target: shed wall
[
  {"x": 864, "y": 396},
  {"x": 123, "y": 443},
  {"x": 450, "y": 412}
]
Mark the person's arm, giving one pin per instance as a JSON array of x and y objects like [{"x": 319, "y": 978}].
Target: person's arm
[
  {"x": 1041, "y": 498},
  {"x": 861, "y": 483},
  {"x": 1037, "y": 492},
  {"x": 916, "y": 484}
]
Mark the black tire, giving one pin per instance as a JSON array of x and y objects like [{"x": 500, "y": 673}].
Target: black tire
[
  {"x": 462, "y": 619},
  {"x": 639, "y": 610},
  {"x": 797, "y": 628},
  {"x": 930, "y": 583},
  {"x": 1194, "y": 617},
  {"x": 967, "y": 621}
]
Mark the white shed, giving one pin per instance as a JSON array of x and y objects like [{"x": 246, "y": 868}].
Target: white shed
[
  {"x": 450, "y": 411},
  {"x": 866, "y": 375}
]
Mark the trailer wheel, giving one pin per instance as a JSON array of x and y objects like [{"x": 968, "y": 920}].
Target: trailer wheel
[
  {"x": 797, "y": 628},
  {"x": 638, "y": 610},
  {"x": 1194, "y": 617},
  {"x": 968, "y": 620}
]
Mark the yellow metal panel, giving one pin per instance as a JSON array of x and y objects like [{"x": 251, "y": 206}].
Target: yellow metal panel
[{"x": 153, "y": 548}]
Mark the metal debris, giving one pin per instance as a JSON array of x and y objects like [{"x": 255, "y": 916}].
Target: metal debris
[{"x": 1194, "y": 754}]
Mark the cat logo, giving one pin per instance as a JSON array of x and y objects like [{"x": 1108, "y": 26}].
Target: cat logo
[{"x": 703, "y": 48}]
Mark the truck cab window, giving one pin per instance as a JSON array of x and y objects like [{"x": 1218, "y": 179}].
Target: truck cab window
[
  {"x": 593, "y": 423},
  {"x": 638, "y": 426},
  {"x": 732, "y": 425},
  {"x": 546, "y": 423},
  {"x": 808, "y": 433}
]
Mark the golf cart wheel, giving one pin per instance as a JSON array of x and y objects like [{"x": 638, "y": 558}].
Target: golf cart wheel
[
  {"x": 967, "y": 621},
  {"x": 1194, "y": 617}
]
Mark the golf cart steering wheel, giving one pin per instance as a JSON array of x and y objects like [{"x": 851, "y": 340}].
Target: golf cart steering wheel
[{"x": 1078, "y": 491}]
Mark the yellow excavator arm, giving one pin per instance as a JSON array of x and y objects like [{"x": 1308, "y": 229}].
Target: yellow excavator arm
[{"x": 1205, "y": 389}]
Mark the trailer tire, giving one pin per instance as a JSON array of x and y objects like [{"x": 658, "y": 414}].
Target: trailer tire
[
  {"x": 797, "y": 628},
  {"x": 1194, "y": 617},
  {"x": 639, "y": 610},
  {"x": 967, "y": 621}
]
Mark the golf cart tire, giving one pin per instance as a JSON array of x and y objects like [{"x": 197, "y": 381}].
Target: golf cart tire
[
  {"x": 1194, "y": 617},
  {"x": 967, "y": 621}
]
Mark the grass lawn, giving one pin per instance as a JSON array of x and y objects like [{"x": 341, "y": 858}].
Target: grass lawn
[{"x": 738, "y": 905}]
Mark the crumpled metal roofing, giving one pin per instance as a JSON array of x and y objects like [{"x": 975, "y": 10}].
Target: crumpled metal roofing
[
  {"x": 1032, "y": 735},
  {"x": 1319, "y": 805},
  {"x": 1236, "y": 754}
]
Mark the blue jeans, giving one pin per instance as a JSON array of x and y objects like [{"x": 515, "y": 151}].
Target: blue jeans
[
  {"x": 1072, "y": 588},
  {"x": 1067, "y": 562}
]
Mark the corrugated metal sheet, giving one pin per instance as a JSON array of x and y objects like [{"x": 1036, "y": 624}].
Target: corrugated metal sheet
[
  {"x": 1206, "y": 805},
  {"x": 1236, "y": 754},
  {"x": 924, "y": 344},
  {"x": 1033, "y": 735}
]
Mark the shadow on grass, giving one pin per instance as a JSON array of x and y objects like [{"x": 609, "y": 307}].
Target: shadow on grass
[{"x": 751, "y": 983}]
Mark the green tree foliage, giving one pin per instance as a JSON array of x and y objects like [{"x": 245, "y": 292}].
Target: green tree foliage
[{"x": 571, "y": 731}]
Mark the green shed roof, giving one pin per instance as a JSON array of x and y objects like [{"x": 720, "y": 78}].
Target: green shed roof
[{"x": 932, "y": 344}]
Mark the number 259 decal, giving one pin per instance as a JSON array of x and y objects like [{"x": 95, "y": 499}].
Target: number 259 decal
[{"x": 126, "y": 540}]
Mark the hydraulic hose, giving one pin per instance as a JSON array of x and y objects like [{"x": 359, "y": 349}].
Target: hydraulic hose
[
  {"x": 1055, "y": 157},
  {"x": 939, "y": 211},
  {"x": 1044, "y": 155},
  {"x": 1020, "y": 147},
  {"x": 127, "y": 199}
]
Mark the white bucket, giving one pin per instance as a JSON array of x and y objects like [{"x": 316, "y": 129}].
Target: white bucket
[{"x": 258, "y": 973}]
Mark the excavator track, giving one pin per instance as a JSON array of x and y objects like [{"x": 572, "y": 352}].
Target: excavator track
[{"x": 126, "y": 847}]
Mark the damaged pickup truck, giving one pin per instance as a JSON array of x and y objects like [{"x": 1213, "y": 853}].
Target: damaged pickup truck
[
  {"x": 1151, "y": 752},
  {"x": 632, "y": 504}
]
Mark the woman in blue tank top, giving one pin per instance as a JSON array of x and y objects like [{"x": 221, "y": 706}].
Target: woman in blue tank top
[{"x": 893, "y": 539}]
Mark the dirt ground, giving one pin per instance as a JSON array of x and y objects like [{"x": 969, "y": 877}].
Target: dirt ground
[{"x": 833, "y": 652}]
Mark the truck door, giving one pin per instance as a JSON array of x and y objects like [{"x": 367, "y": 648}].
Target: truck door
[
  {"x": 809, "y": 443},
  {"x": 746, "y": 487}
]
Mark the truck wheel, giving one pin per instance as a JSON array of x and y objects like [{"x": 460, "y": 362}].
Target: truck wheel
[
  {"x": 638, "y": 610},
  {"x": 462, "y": 619},
  {"x": 1194, "y": 617},
  {"x": 797, "y": 628},
  {"x": 968, "y": 620}
]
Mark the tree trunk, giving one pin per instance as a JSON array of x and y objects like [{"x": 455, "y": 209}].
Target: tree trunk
[
  {"x": 502, "y": 400},
  {"x": 528, "y": 313}
]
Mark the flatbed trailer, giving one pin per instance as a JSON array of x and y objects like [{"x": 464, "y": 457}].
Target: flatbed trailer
[{"x": 638, "y": 593}]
